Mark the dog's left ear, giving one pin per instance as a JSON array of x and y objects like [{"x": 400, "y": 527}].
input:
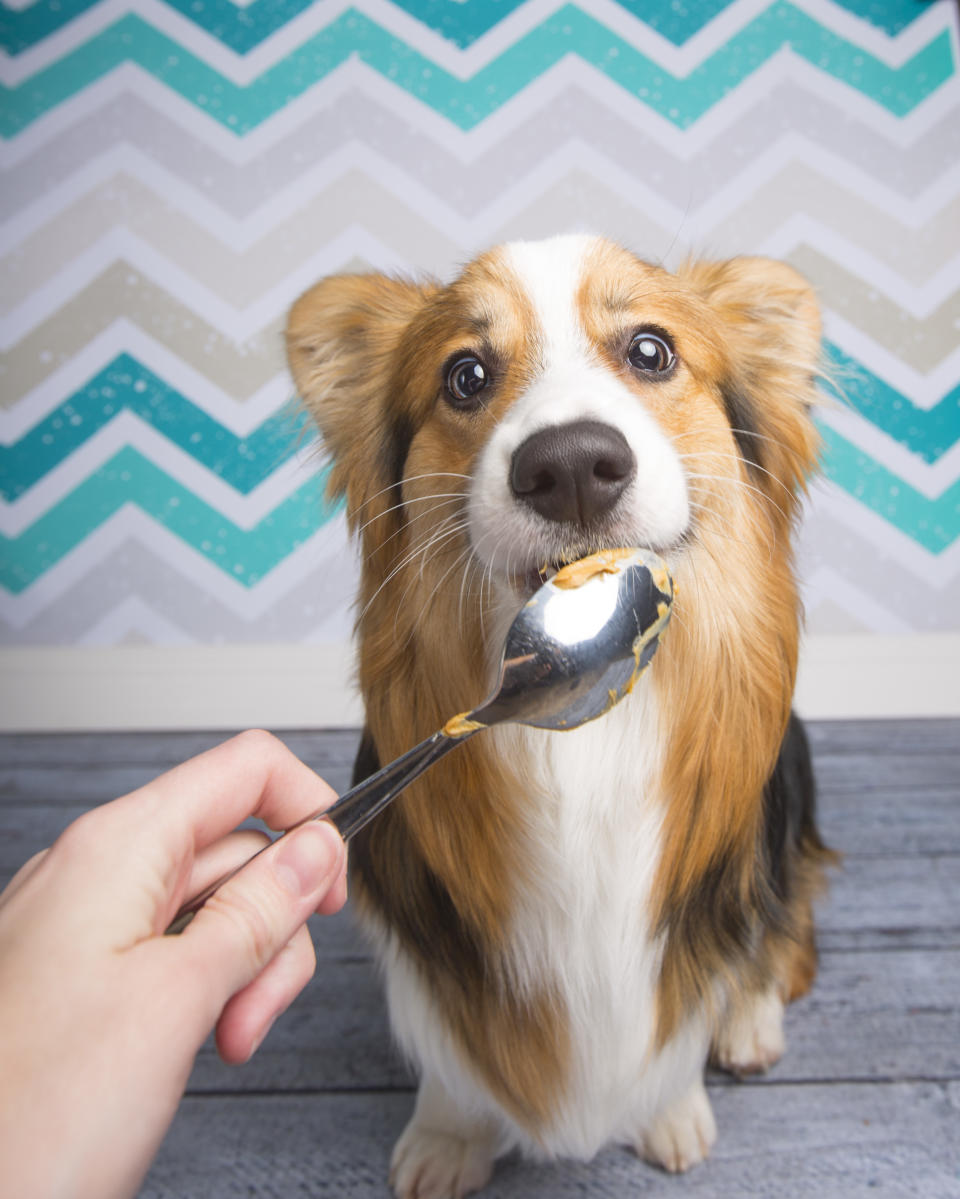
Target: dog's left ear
[
  {"x": 343, "y": 340},
  {"x": 771, "y": 328}
]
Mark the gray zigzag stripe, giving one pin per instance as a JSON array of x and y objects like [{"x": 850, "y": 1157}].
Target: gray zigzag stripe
[
  {"x": 324, "y": 596},
  {"x": 471, "y": 182},
  {"x": 827, "y": 542}
]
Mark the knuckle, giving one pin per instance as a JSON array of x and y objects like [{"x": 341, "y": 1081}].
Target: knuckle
[
  {"x": 251, "y": 929},
  {"x": 81, "y": 836},
  {"x": 259, "y": 743}
]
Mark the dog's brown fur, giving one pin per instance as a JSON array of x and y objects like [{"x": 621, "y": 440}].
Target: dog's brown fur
[{"x": 439, "y": 869}]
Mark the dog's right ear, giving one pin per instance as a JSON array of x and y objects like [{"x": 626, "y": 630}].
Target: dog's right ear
[{"x": 343, "y": 339}]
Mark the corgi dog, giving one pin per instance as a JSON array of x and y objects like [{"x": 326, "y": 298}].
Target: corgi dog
[{"x": 572, "y": 924}]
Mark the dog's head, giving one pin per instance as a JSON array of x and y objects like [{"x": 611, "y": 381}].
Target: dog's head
[{"x": 559, "y": 397}]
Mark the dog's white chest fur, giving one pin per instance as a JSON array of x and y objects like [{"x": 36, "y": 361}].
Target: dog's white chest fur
[
  {"x": 584, "y": 924},
  {"x": 582, "y": 929}
]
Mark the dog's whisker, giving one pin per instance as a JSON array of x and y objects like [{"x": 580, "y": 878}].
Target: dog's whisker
[
  {"x": 433, "y": 474},
  {"x": 410, "y": 556},
  {"x": 701, "y": 454},
  {"x": 432, "y": 546},
  {"x": 728, "y": 480},
  {"x": 445, "y": 496}
]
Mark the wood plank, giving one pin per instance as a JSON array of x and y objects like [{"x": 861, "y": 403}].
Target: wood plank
[
  {"x": 891, "y": 821},
  {"x": 334, "y": 1037},
  {"x": 887, "y": 893},
  {"x": 893, "y": 893},
  {"x": 870, "y": 1016},
  {"x": 160, "y": 750},
  {"x": 803, "y": 1141},
  {"x": 912, "y": 773},
  {"x": 91, "y": 785},
  {"x": 868, "y": 797},
  {"x": 900, "y": 738}
]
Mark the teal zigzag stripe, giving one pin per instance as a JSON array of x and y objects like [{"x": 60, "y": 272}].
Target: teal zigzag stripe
[
  {"x": 245, "y": 462},
  {"x": 247, "y": 555},
  {"x": 126, "y": 385},
  {"x": 468, "y": 102},
  {"x": 243, "y": 29},
  {"x": 927, "y": 432},
  {"x": 129, "y": 478},
  {"x": 934, "y": 524}
]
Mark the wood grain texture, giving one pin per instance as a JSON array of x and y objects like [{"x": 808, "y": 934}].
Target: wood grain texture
[
  {"x": 825, "y": 1141},
  {"x": 865, "y": 1102}
]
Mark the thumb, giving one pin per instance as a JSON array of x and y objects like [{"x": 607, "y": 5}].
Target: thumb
[{"x": 245, "y": 924}]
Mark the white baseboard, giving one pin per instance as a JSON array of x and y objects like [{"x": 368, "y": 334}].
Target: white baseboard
[
  {"x": 195, "y": 687},
  {"x": 867, "y": 676},
  {"x": 310, "y": 686}
]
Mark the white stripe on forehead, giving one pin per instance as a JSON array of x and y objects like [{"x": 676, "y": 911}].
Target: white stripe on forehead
[{"x": 550, "y": 272}]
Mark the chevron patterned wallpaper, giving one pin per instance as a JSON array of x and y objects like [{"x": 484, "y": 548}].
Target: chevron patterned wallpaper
[{"x": 175, "y": 172}]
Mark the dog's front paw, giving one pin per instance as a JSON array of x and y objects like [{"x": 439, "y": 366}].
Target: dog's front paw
[
  {"x": 431, "y": 1164},
  {"x": 683, "y": 1135},
  {"x": 751, "y": 1040}
]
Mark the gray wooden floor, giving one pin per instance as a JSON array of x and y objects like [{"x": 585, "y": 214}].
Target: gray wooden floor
[{"x": 866, "y": 1101}]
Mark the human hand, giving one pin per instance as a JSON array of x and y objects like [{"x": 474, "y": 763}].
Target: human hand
[{"x": 101, "y": 1015}]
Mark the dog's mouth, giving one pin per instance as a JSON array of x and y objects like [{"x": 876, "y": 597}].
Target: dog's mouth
[
  {"x": 529, "y": 580},
  {"x": 532, "y": 577}
]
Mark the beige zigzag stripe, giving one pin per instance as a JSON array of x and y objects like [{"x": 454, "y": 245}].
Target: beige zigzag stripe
[
  {"x": 915, "y": 253},
  {"x": 238, "y": 278},
  {"x": 241, "y": 278},
  {"x": 922, "y": 344},
  {"x": 122, "y": 292},
  {"x": 239, "y": 369}
]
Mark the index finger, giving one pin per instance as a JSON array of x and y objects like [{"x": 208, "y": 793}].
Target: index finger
[{"x": 252, "y": 775}]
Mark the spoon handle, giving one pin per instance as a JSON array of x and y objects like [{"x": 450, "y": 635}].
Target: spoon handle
[
  {"x": 358, "y": 806},
  {"x": 353, "y": 809}
]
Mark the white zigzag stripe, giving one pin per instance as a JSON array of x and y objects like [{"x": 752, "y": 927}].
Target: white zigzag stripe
[
  {"x": 329, "y": 542},
  {"x": 240, "y": 417},
  {"x": 680, "y": 61},
  {"x": 127, "y": 429}
]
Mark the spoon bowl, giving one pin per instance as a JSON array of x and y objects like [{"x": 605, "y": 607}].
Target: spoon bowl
[
  {"x": 573, "y": 651},
  {"x": 579, "y": 644}
]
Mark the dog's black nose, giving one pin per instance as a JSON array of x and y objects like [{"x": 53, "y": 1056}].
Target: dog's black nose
[{"x": 573, "y": 473}]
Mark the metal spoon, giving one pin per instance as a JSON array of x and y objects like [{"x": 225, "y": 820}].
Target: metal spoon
[{"x": 574, "y": 650}]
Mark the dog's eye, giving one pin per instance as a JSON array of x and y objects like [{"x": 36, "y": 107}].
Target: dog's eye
[
  {"x": 651, "y": 352},
  {"x": 466, "y": 378}
]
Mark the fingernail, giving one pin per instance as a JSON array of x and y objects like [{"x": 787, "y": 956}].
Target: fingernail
[{"x": 307, "y": 857}]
